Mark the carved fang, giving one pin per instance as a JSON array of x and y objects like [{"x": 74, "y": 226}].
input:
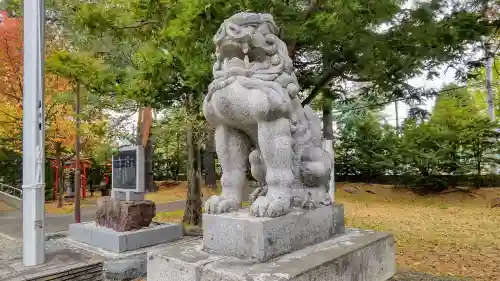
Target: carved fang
[
  {"x": 245, "y": 48},
  {"x": 247, "y": 62}
]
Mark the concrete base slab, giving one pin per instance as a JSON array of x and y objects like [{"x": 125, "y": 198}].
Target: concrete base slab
[
  {"x": 238, "y": 234},
  {"x": 60, "y": 264},
  {"x": 121, "y": 266},
  {"x": 356, "y": 255},
  {"x": 119, "y": 242}
]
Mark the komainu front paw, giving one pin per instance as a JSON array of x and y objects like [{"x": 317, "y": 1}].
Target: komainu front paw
[
  {"x": 266, "y": 206},
  {"x": 219, "y": 205},
  {"x": 259, "y": 191}
]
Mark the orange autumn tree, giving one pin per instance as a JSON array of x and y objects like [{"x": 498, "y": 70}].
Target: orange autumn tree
[
  {"x": 58, "y": 125},
  {"x": 11, "y": 81},
  {"x": 60, "y": 129}
]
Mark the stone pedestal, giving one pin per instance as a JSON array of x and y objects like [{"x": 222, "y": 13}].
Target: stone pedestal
[
  {"x": 241, "y": 235},
  {"x": 123, "y": 215},
  {"x": 300, "y": 246},
  {"x": 128, "y": 195},
  {"x": 119, "y": 242},
  {"x": 355, "y": 255}
]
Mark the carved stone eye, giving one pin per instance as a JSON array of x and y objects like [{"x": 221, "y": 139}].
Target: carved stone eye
[{"x": 234, "y": 28}]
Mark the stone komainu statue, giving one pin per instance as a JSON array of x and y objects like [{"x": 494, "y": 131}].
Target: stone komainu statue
[{"x": 260, "y": 123}]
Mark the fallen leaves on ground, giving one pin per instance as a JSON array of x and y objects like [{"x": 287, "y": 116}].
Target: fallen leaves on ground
[
  {"x": 174, "y": 216},
  {"x": 171, "y": 191},
  {"x": 450, "y": 234},
  {"x": 68, "y": 208},
  {"x": 455, "y": 234}
]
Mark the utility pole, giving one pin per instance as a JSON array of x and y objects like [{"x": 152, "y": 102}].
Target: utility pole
[
  {"x": 78, "y": 172},
  {"x": 489, "y": 80},
  {"x": 33, "y": 134}
]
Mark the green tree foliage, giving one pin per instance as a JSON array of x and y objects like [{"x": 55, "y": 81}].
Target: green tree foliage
[
  {"x": 457, "y": 140},
  {"x": 364, "y": 147},
  {"x": 159, "y": 53},
  {"x": 169, "y": 132},
  {"x": 162, "y": 49}
]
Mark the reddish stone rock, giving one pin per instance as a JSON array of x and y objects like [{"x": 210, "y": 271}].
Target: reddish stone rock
[{"x": 121, "y": 215}]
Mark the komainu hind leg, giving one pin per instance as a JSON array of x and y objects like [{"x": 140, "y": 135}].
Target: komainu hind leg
[
  {"x": 275, "y": 143},
  {"x": 314, "y": 198},
  {"x": 232, "y": 150},
  {"x": 316, "y": 167}
]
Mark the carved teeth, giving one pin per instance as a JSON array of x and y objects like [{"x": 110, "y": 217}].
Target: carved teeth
[
  {"x": 245, "y": 48},
  {"x": 226, "y": 63}
]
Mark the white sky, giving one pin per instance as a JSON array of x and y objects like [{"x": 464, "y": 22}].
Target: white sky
[
  {"x": 419, "y": 82},
  {"x": 445, "y": 77}
]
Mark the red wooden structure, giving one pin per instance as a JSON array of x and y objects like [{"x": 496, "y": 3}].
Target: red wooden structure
[
  {"x": 85, "y": 164},
  {"x": 107, "y": 171}
]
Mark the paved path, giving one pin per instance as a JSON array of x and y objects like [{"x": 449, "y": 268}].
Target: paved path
[{"x": 12, "y": 225}]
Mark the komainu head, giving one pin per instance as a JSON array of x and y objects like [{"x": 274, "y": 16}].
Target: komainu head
[{"x": 247, "y": 45}]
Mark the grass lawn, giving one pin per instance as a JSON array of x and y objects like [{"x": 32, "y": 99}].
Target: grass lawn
[{"x": 450, "y": 234}]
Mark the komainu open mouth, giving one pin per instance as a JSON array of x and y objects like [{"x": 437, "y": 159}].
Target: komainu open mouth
[
  {"x": 248, "y": 45},
  {"x": 242, "y": 56}
]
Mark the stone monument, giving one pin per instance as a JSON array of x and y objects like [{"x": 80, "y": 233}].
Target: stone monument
[
  {"x": 123, "y": 222},
  {"x": 292, "y": 230}
]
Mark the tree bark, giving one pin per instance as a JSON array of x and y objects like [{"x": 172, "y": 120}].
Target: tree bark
[
  {"x": 144, "y": 123},
  {"x": 78, "y": 172},
  {"x": 138, "y": 136},
  {"x": 177, "y": 156},
  {"x": 148, "y": 158},
  {"x": 210, "y": 180},
  {"x": 327, "y": 118},
  {"x": 60, "y": 171},
  {"x": 192, "y": 212}
]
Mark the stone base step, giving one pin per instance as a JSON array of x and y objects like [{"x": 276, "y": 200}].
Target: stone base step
[
  {"x": 356, "y": 255},
  {"x": 238, "y": 234}
]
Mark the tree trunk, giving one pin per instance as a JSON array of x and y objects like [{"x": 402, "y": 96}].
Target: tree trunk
[
  {"x": 148, "y": 157},
  {"x": 211, "y": 179},
  {"x": 192, "y": 212},
  {"x": 177, "y": 156},
  {"x": 78, "y": 172},
  {"x": 60, "y": 171},
  {"x": 327, "y": 119},
  {"x": 138, "y": 135},
  {"x": 209, "y": 165}
]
